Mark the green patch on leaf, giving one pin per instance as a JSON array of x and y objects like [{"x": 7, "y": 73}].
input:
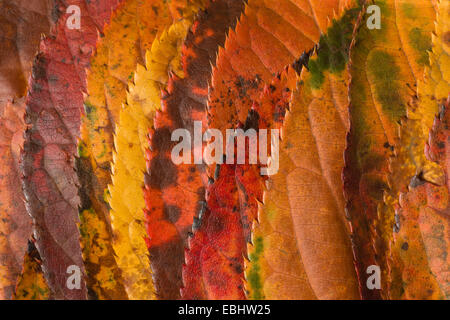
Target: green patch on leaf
[
  {"x": 421, "y": 43},
  {"x": 91, "y": 112},
  {"x": 333, "y": 50},
  {"x": 253, "y": 276},
  {"x": 408, "y": 10},
  {"x": 382, "y": 66},
  {"x": 82, "y": 150}
]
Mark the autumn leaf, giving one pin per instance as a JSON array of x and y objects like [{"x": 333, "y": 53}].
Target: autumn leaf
[
  {"x": 423, "y": 218},
  {"x": 270, "y": 35},
  {"x": 214, "y": 261},
  {"x": 31, "y": 284},
  {"x": 87, "y": 158},
  {"x": 434, "y": 225},
  {"x": 435, "y": 85},
  {"x": 130, "y": 141},
  {"x": 300, "y": 246},
  {"x": 22, "y": 23},
  {"x": 15, "y": 223},
  {"x": 174, "y": 194},
  {"x": 53, "y": 109},
  {"x": 423, "y": 240},
  {"x": 231, "y": 203},
  {"x": 130, "y": 34},
  {"x": 386, "y": 65},
  {"x": 261, "y": 46},
  {"x": 411, "y": 264},
  {"x": 133, "y": 27}
]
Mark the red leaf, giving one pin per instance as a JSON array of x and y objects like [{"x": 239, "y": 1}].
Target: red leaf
[
  {"x": 54, "y": 105},
  {"x": 215, "y": 260}
]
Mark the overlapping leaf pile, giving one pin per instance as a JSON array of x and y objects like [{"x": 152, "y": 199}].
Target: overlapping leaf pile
[{"x": 348, "y": 198}]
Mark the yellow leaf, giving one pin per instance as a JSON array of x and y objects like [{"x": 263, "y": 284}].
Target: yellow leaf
[
  {"x": 130, "y": 34},
  {"x": 133, "y": 27},
  {"x": 434, "y": 88},
  {"x": 130, "y": 141}
]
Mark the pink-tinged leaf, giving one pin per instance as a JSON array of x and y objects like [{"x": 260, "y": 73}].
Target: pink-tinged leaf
[
  {"x": 15, "y": 223},
  {"x": 53, "y": 109}
]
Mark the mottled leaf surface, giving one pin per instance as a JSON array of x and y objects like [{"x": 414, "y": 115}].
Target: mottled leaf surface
[
  {"x": 386, "y": 65},
  {"x": 22, "y": 22},
  {"x": 270, "y": 35},
  {"x": 300, "y": 244},
  {"x": 131, "y": 32},
  {"x": 130, "y": 141},
  {"x": 215, "y": 259},
  {"x": 53, "y": 110},
  {"x": 424, "y": 221},
  {"x": 232, "y": 203},
  {"x": 411, "y": 265},
  {"x": 435, "y": 85},
  {"x": 174, "y": 194},
  {"x": 15, "y": 223},
  {"x": 31, "y": 284}
]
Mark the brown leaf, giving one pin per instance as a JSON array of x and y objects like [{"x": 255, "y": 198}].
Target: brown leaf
[{"x": 21, "y": 22}]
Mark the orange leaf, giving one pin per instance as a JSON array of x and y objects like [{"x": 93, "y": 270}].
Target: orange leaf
[
  {"x": 270, "y": 35},
  {"x": 300, "y": 244},
  {"x": 231, "y": 208},
  {"x": 174, "y": 194},
  {"x": 424, "y": 223}
]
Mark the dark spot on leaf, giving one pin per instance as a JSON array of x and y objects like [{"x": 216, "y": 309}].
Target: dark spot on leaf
[
  {"x": 252, "y": 121},
  {"x": 166, "y": 261},
  {"x": 172, "y": 213},
  {"x": 160, "y": 138},
  {"x": 83, "y": 168},
  {"x": 162, "y": 173},
  {"x": 416, "y": 181},
  {"x": 39, "y": 67},
  {"x": 217, "y": 172},
  {"x": 446, "y": 38}
]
